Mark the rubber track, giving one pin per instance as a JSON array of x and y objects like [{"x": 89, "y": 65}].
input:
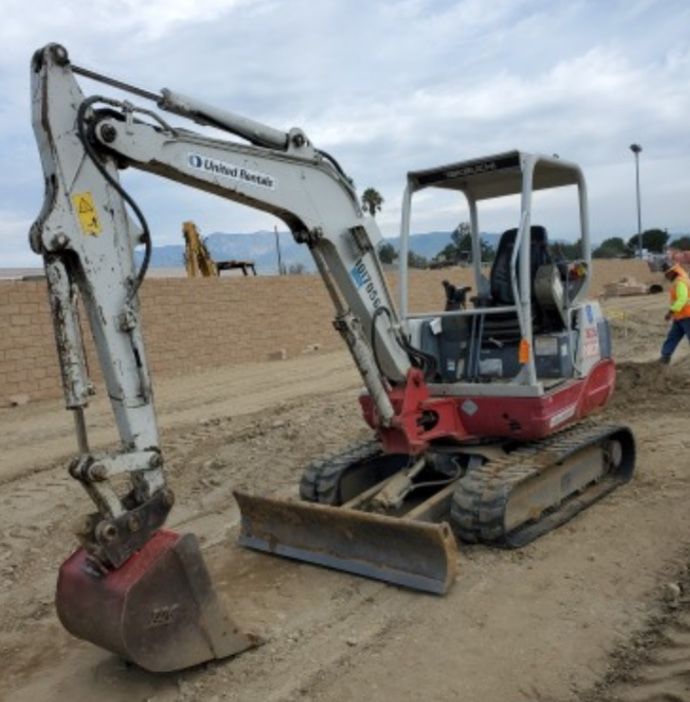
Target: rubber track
[
  {"x": 480, "y": 500},
  {"x": 319, "y": 482}
]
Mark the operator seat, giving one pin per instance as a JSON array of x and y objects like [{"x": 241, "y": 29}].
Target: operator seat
[
  {"x": 505, "y": 327},
  {"x": 500, "y": 278}
]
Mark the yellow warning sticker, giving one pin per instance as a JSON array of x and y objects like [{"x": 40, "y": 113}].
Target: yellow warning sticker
[{"x": 87, "y": 215}]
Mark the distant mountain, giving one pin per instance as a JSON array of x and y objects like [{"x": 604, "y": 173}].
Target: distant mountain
[{"x": 260, "y": 247}]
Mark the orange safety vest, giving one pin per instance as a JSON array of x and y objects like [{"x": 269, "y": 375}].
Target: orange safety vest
[{"x": 683, "y": 312}]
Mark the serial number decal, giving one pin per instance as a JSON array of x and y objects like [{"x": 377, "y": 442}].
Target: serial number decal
[
  {"x": 231, "y": 171},
  {"x": 362, "y": 279},
  {"x": 561, "y": 416}
]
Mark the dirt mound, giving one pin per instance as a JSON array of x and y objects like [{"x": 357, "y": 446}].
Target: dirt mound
[{"x": 641, "y": 387}]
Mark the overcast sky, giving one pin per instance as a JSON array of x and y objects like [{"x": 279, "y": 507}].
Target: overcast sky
[{"x": 386, "y": 87}]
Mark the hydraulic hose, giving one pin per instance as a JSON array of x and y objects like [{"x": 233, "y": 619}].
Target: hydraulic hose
[{"x": 93, "y": 155}]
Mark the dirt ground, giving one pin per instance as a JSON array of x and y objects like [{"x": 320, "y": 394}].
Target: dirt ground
[{"x": 597, "y": 610}]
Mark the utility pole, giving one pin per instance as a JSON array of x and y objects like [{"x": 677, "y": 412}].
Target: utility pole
[
  {"x": 280, "y": 260},
  {"x": 636, "y": 149}
]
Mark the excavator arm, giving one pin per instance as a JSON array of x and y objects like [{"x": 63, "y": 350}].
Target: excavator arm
[
  {"x": 87, "y": 232},
  {"x": 87, "y": 239}
]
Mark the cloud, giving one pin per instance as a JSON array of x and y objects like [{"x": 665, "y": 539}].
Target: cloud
[
  {"x": 121, "y": 23},
  {"x": 14, "y": 241},
  {"x": 387, "y": 87}
]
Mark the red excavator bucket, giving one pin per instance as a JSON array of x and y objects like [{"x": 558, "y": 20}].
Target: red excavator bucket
[{"x": 158, "y": 610}]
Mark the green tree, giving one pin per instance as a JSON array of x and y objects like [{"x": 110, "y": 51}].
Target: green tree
[
  {"x": 387, "y": 252},
  {"x": 462, "y": 238},
  {"x": 449, "y": 253},
  {"x": 416, "y": 261},
  {"x": 460, "y": 247},
  {"x": 372, "y": 201},
  {"x": 653, "y": 240},
  {"x": 488, "y": 252},
  {"x": 613, "y": 247},
  {"x": 682, "y": 243},
  {"x": 567, "y": 251}
]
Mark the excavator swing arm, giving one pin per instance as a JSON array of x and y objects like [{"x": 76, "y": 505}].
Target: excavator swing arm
[{"x": 86, "y": 235}]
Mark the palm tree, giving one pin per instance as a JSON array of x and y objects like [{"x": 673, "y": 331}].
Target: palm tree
[{"x": 372, "y": 201}]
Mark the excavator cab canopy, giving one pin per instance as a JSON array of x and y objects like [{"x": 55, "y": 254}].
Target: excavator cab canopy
[
  {"x": 522, "y": 254},
  {"x": 496, "y": 176}
]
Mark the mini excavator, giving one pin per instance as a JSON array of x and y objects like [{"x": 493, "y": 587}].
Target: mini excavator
[{"x": 479, "y": 413}]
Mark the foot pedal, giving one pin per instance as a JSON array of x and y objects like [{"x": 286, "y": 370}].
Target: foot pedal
[{"x": 158, "y": 610}]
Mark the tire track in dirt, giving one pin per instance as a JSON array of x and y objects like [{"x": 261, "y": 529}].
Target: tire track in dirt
[
  {"x": 180, "y": 402},
  {"x": 654, "y": 665}
]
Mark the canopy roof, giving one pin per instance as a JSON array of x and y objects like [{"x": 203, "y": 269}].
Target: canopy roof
[{"x": 496, "y": 176}]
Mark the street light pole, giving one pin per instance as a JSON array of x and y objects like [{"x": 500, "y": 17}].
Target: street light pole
[{"x": 636, "y": 149}]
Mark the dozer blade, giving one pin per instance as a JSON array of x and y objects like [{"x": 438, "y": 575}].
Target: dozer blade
[
  {"x": 414, "y": 554},
  {"x": 158, "y": 610}
]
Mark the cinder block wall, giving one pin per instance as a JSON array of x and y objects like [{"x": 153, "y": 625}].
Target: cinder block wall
[{"x": 196, "y": 324}]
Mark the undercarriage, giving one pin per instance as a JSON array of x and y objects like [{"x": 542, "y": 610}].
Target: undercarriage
[{"x": 390, "y": 517}]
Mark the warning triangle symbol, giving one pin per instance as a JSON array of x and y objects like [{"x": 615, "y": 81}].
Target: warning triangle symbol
[{"x": 84, "y": 206}]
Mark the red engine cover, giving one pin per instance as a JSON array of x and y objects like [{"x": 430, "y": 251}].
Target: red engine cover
[{"x": 421, "y": 419}]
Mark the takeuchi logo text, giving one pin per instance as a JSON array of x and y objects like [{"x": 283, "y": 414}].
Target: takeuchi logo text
[{"x": 231, "y": 171}]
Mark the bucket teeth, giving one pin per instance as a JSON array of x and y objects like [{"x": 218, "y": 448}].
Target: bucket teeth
[{"x": 158, "y": 610}]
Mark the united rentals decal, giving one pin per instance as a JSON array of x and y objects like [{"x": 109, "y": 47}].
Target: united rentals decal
[{"x": 231, "y": 171}]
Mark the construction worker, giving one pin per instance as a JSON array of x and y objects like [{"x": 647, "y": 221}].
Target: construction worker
[{"x": 679, "y": 310}]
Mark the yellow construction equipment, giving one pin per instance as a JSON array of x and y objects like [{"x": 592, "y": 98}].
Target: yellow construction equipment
[{"x": 198, "y": 261}]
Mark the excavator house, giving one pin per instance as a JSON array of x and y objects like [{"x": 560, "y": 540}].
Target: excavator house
[{"x": 480, "y": 413}]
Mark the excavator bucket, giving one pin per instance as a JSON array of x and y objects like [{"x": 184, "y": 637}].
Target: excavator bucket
[
  {"x": 415, "y": 554},
  {"x": 158, "y": 610}
]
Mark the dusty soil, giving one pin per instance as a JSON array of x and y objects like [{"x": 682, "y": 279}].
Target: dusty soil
[{"x": 596, "y": 610}]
